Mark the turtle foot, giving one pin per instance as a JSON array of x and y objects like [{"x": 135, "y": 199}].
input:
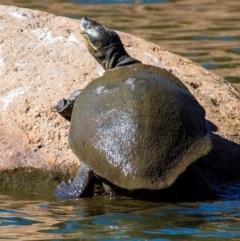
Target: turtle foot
[
  {"x": 75, "y": 188},
  {"x": 65, "y": 107},
  {"x": 65, "y": 191}
]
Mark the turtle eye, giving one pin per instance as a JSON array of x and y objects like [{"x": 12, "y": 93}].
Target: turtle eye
[{"x": 89, "y": 25}]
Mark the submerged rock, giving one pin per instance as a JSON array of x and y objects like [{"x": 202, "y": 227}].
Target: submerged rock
[{"x": 43, "y": 58}]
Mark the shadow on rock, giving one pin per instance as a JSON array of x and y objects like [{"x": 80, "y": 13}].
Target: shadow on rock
[{"x": 221, "y": 168}]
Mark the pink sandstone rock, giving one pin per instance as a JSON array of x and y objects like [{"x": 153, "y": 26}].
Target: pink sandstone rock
[{"x": 42, "y": 59}]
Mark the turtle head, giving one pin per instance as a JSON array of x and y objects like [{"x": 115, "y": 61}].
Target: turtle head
[
  {"x": 104, "y": 44},
  {"x": 96, "y": 36}
]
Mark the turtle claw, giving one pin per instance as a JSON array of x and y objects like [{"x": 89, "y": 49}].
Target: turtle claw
[
  {"x": 59, "y": 107},
  {"x": 64, "y": 191},
  {"x": 65, "y": 107},
  {"x": 75, "y": 188}
]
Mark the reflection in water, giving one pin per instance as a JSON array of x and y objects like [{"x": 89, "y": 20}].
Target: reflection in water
[{"x": 117, "y": 218}]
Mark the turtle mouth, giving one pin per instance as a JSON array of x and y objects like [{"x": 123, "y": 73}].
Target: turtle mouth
[
  {"x": 84, "y": 34},
  {"x": 87, "y": 40},
  {"x": 82, "y": 30}
]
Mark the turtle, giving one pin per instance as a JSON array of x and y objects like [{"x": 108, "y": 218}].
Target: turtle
[{"x": 137, "y": 127}]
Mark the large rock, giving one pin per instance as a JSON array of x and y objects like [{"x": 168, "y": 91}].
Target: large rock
[{"x": 42, "y": 59}]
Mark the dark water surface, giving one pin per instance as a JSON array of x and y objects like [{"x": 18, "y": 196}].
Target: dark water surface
[{"x": 207, "y": 32}]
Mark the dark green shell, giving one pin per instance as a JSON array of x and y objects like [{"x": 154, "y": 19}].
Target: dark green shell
[{"x": 138, "y": 127}]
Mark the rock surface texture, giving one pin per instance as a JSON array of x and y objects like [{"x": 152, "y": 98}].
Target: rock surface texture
[{"x": 43, "y": 58}]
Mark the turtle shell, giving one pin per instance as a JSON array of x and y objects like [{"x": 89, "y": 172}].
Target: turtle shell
[{"x": 138, "y": 127}]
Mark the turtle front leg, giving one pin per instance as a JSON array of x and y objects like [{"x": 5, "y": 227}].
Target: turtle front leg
[
  {"x": 64, "y": 107},
  {"x": 83, "y": 182}
]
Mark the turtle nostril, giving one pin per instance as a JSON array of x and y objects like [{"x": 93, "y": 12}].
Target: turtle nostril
[
  {"x": 86, "y": 23},
  {"x": 85, "y": 20}
]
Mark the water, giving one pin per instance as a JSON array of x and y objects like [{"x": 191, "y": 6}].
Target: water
[
  {"x": 205, "y": 31},
  {"x": 117, "y": 218}
]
